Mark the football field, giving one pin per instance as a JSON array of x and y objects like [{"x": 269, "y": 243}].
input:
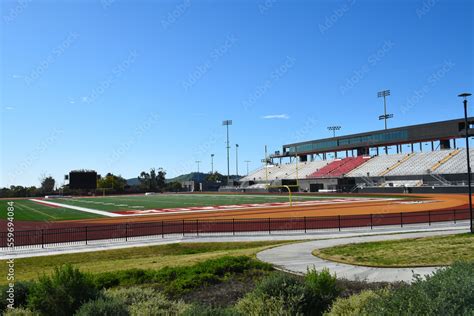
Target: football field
[{"x": 36, "y": 209}]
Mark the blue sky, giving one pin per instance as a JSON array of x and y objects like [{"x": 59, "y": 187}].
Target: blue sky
[{"x": 123, "y": 86}]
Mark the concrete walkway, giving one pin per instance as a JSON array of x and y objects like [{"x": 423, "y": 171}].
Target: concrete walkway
[
  {"x": 297, "y": 258},
  {"x": 120, "y": 243}
]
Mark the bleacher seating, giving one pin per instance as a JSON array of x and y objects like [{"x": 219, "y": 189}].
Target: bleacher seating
[
  {"x": 376, "y": 165},
  {"x": 420, "y": 163},
  {"x": 339, "y": 167},
  {"x": 285, "y": 171},
  {"x": 457, "y": 163}
]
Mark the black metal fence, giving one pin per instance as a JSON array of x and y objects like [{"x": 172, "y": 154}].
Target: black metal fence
[{"x": 196, "y": 227}]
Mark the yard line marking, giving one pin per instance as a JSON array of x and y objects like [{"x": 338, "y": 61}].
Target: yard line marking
[{"x": 78, "y": 208}]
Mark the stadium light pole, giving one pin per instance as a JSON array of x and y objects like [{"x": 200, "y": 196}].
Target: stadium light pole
[
  {"x": 212, "y": 163},
  {"x": 237, "y": 159},
  {"x": 247, "y": 162},
  {"x": 464, "y": 96},
  {"x": 334, "y": 129},
  {"x": 198, "y": 162},
  {"x": 226, "y": 123},
  {"x": 385, "y": 116}
]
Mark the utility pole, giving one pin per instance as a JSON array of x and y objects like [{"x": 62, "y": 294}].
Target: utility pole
[
  {"x": 247, "y": 162},
  {"x": 237, "y": 159},
  {"x": 212, "y": 163},
  {"x": 226, "y": 123}
]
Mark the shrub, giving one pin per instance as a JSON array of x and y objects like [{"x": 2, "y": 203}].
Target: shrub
[
  {"x": 279, "y": 292},
  {"x": 19, "y": 311},
  {"x": 178, "y": 280},
  {"x": 321, "y": 291},
  {"x": 448, "y": 292},
  {"x": 103, "y": 307},
  {"x": 131, "y": 295},
  {"x": 21, "y": 293},
  {"x": 158, "y": 305},
  {"x": 254, "y": 304},
  {"x": 201, "y": 310},
  {"x": 146, "y": 301},
  {"x": 62, "y": 293},
  {"x": 353, "y": 305}
]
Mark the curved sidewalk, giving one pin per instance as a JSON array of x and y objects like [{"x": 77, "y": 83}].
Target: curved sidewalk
[{"x": 297, "y": 258}]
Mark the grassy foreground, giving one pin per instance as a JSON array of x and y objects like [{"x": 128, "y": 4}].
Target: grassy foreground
[
  {"x": 429, "y": 251},
  {"x": 153, "y": 257}
]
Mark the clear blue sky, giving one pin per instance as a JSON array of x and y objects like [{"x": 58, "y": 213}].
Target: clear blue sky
[{"x": 123, "y": 86}]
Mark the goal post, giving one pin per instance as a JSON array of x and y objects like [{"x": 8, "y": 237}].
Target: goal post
[{"x": 287, "y": 187}]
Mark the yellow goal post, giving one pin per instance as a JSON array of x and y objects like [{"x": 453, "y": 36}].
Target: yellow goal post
[{"x": 287, "y": 187}]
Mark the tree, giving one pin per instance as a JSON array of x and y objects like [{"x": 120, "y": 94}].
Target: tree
[
  {"x": 152, "y": 181},
  {"x": 215, "y": 177},
  {"x": 174, "y": 186},
  {"x": 111, "y": 181},
  {"x": 47, "y": 184}
]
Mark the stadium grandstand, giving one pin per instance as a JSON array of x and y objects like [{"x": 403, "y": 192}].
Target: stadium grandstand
[{"x": 418, "y": 158}]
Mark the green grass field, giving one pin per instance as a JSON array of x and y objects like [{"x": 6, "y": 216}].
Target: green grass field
[
  {"x": 152, "y": 257},
  {"x": 28, "y": 210},
  {"x": 429, "y": 251}
]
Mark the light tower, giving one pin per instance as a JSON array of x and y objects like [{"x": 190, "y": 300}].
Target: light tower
[
  {"x": 466, "y": 123},
  {"x": 334, "y": 129},
  {"x": 237, "y": 159},
  {"x": 247, "y": 162},
  {"x": 385, "y": 116},
  {"x": 227, "y": 123}
]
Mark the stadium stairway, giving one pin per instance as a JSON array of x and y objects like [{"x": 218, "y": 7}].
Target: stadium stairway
[
  {"x": 339, "y": 167},
  {"x": 444, "y": 160},
  {"x": 408, "y": 156}
]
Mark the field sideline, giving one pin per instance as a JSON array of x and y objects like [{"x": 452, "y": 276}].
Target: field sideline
[
  {"x": 163, "y": 207},
  {"x": 36, "y": 209}
]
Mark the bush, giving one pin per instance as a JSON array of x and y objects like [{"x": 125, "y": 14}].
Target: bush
[
  {"x": 132, "y": 295},
  {"x": 62, "y": 293},
  {"x": 146, "y": 301},
  {"x": 257, "y": 304},
  {"x": 21, "y": 293},
  {"x": 448, "y": 292},
  {"x": 321, "y": 291},
  {"x": 19, "y": 311},
  {"x": 179, "y": 280},
  {"x": 158, "y": 305},
  {"x": 278, "y": 293},
  {"x": 201, "y": 310},
  {"x": 103, "y": 307},
  {"x": 353, "y": 305}
]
